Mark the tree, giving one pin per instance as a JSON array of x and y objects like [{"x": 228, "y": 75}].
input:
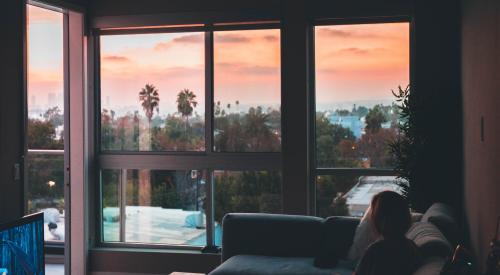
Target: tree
[
  {"x": 329, "y": 142},
  {"x": 186, "y": 102},
  {"x": 150, "y": 100},
  {"x": 54, "y": 116},
  {"x": 42, "y": 135},
  {"x": 374, "y": 119}
]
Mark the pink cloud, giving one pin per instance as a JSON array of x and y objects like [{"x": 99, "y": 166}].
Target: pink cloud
[
  {"x": 230, "y": 38},
  {"x": 271, "y": 38},
  {"x": 115, "y": 58},
  {"x": 245, "y": 68},
  {"x": 333, "y": 32},
  {"x": 191, "y": 38}
]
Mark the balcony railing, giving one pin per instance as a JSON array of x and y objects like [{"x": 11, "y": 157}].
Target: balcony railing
[{"x": 45, "y": 189}]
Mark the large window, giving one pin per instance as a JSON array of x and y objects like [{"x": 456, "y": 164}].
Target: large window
[
  {"x": 153, "y": 92},
  {"x": 247, "y": 91},
  {"x": 356, "y": 68},
  {"x": 45, "y": 122},
  {"x": 190, "y": 129}
]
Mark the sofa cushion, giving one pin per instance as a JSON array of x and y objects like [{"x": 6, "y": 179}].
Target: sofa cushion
[
  {"x": 432, "y": 266},
  {"x": 337, "y": 236},
  {"x": 429, "y": 240},
  {"x": 443, "y": 216},
  {"x": 267, "y": 265},
  {"x": 270, "y": 235}
]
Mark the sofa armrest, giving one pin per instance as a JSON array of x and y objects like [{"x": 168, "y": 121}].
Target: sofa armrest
[{"x": 270, "y": 235}]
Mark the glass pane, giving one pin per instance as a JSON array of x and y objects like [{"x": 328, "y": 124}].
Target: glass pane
[
  {"x": 110, "y": 190},
  {"x": 245, "y": 192},
  {"x": 45, "y": 128},
  {"x": 357, "y": 66},
  {"x": 247, "y": 91},
  {"x": 350, "y": 195},
  {"x": 161, "y": 207},
  {"x": 153, "y": 92},
  {"x": 45, "y": 173}
]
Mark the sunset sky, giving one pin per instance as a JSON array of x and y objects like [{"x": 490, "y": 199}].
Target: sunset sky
[
  {"x": 45, "y": 57},
  {"x": 360, "y": 63},
  {"x": 353, "y": 63}
]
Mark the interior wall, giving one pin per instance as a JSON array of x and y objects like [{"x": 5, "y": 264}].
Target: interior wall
[
  {"x": 481, "y": 79},
  {"x": 132, "y": 7},
  {"x": 11, "y": 108},
  {"x": 436, "y": 82}
]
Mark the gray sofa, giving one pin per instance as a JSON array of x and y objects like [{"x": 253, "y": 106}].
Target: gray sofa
[{"x": 261, "y": 244}]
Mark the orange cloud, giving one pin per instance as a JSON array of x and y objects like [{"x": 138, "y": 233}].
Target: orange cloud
[
  {"x": 191, "y": 38},
  {"x": 115, "y": 58},
  {"x": 361, "y": 62},
  {"x": 222, "y": 37}
]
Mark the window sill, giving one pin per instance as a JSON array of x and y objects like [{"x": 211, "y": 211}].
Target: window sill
[{"x": 151, "y": 260}]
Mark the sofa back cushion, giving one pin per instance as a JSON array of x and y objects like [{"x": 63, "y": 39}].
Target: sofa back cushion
[
  {"x": 429, "y": 239},
  {"x": 443, "y": 216},
  {"x": 270, "y": 235},
  {"x": 337, "y": 236}
]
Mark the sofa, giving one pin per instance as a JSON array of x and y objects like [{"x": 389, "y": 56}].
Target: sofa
[{"x": 264, "y": 244}]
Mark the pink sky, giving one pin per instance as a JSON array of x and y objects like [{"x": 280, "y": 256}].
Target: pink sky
[
  {"x": 353, "y": 63},
  {"x": 361, "y": 62},
  {"x": 246, "y": 67},
  {"x": 45, "y": 57}
]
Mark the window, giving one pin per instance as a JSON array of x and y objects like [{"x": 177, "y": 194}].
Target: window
[
  {"x": 356, "y": 67},
  {"x": 159, "y": 206},
  {"x": 247, "y": 192},
  {"x": 190, "y": 129},
  {"x": 247, "y": 91},
  {"x": 45, "y": 122},
  {"x": 153, "y": 92}
]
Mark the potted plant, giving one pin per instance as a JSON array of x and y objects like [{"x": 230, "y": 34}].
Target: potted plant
[{"x": 408, "y": 145}]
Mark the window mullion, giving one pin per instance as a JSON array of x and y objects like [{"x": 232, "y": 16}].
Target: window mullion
[
  {"x": 209, "y": 84},
  {"x": 122, "y": 203}
]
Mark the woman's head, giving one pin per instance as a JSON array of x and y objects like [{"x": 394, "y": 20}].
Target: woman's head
[{"x": 390, "y": 214}]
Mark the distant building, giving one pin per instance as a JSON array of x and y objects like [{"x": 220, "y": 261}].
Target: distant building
[
  {"x": 51, "y": 99},
  {"x": 359, "y": 197},
  {"x": 353, "y": 123}
]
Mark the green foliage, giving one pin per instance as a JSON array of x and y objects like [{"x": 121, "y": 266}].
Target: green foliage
[
  {"x": 248, "y": 191},
  {"x": 41, "y": 134},
  {"x": 409, "y": 143},
  {"x": 186, "y": 102},
  {"x": 55, "y": 116},
  {"x": 329, "y": 196},
  {"x": 150, "y": 100},
  {"x": 109, "y": 184},
  {"x": 254, "y": 131},
  {"x": 374, "y": 119},
  {"x": 331, "y": 140},
  {"x": 42, "y": 169}
]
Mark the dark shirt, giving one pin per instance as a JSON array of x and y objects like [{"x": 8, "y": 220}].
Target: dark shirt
[{"x": 389, "y": 257}]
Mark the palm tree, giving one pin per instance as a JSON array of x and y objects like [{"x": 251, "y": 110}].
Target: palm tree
[
  {"x": 150, "y": 99},
  {"x": 186, "y": 102}
]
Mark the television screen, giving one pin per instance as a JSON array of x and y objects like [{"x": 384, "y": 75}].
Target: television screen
[{"x": 22, "y": 246}]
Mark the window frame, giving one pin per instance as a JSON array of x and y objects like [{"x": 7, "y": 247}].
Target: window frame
[
  {"x": 208, "y": 160},
  {"x": 53, "y": 247},
  {"x": 346, "y": 171}
]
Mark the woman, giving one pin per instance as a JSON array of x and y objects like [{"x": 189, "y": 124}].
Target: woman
[{"x": 393, "y": 253}]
